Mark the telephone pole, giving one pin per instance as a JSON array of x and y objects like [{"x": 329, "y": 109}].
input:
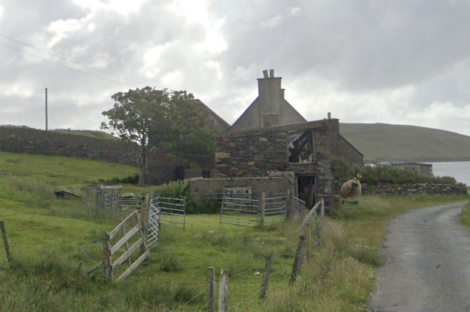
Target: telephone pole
[{"x": 46, "y": 109}]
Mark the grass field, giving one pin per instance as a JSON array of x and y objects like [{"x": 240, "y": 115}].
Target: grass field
[{"x": 54, "y": 241}]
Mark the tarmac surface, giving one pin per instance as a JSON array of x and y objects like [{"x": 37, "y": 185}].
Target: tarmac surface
[{"x": 426, "y": 263}]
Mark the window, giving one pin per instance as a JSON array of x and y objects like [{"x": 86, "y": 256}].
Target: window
[{"x": 206, "y": 174}]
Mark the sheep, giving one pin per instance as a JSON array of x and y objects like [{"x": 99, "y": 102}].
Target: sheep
[{"x": 351, "y": 188}]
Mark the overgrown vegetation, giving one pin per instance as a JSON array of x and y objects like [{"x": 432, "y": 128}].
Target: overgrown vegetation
[
  {"x": 465, "y": 215},
  {"x": 53, "y": 242},
  {"x": 374, "y": 175}
]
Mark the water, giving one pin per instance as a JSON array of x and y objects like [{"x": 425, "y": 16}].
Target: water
[{"x": 459, "y": 170}]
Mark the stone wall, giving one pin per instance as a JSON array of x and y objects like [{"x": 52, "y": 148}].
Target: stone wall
[
  {"x": 418, "y": 188},
  {"x": 412, "y": 189},
  {"x": 207, "y": 188},
  {"x": 251, "y": 154},
  {"x": 258, "y": 153},
  {"x": 33, "y": 141}
]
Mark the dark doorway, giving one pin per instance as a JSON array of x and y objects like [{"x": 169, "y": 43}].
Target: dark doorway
[
  {"x": 179, "y": 173},
  {"x": 307, "y": 190}
]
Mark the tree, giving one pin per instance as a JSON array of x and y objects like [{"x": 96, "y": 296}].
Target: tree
[
  {"x": 193, "y": 132},
  {"x": 169, "y": 121}
]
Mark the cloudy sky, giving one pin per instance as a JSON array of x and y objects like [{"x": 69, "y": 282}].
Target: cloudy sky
[{"x": 388, "y": 61}]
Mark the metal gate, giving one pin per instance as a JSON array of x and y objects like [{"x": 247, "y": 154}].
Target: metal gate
[
  {"x": 153, "y": 226},
  {"x": 240, "y": 211},
  {"x": 275, "y": 208},
  {"x": 172, "y": 210}
]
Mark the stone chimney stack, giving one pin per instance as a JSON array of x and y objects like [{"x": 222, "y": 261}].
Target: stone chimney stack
[{"x": 270, "y": 99}]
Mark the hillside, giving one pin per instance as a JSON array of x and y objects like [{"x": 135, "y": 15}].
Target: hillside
[{"x": 384, "y": 142}]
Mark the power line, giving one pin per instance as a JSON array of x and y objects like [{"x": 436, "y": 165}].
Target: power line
[
  {"x": 68, "y": 60},
  {"x": 64, "y": 66}
]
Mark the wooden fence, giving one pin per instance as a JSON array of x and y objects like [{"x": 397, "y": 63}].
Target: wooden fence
[{"x": 110, "y": 250}]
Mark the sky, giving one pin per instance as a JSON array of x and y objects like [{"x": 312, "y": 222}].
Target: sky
[{"x": 389, "y": 61}]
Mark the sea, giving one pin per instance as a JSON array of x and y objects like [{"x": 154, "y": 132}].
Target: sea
[{"x": 459, "y": 170}]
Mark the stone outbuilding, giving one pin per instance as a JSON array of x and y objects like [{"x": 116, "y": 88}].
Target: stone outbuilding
[{"x": 272, "y": 137}]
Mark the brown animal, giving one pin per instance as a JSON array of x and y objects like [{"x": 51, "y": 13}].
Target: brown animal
[{"x": 351, "y": 188}]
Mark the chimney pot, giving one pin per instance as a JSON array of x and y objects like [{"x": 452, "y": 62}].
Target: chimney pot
[
  {"x": 271, "y": 73},
  {"x": 265, "y": 73}
]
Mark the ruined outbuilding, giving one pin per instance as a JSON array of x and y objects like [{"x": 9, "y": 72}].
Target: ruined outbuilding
[{"x": 272, "y": 137}]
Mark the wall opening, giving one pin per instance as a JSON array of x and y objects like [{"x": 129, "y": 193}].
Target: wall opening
[
  {"x": 307, "y": 189},
  {"x": 301, "y": 148}
]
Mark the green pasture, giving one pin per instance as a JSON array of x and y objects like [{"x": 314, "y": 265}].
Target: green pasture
[{"x": 53, "y": 242}]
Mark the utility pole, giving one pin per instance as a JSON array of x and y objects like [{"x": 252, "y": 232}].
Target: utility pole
[{"x": 46, "y": 109}]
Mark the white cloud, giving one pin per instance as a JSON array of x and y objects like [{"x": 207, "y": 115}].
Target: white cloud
[
  {"x": 174, "y": 80},
  {"x": 214, "y": 41},
  {"x": 191, "y": 10},
  {"x": 215, "y": 66},
  {"x": 294, "y": 11},
  {"x": 272, "y": 22},
  {"x": 123, "y": 7},
  {"x": 61, "y": 28}
]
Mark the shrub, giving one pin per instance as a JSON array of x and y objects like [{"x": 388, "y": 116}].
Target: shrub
[
  {"x": 340, "y": 169},
  {"x": 177, "y": 189},
  {"x": 373, "y": 176}
]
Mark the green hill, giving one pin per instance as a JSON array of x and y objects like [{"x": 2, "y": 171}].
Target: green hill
[{"x": 384, "y": 142}]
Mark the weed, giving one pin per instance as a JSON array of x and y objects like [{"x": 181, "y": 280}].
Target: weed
[{"x": 170, "y": 263}]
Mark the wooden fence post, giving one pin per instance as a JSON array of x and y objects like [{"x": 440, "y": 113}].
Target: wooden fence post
[
  {"x": 298, "y": 259},
  {"x": 309, "y": 242},
  {"x": 223, "y": 291},
  {"x": 144, "y": 216},
  {"x": 289, "y": 205},
  {"x": 211, "y": 290},
  {"x": 262, "y": 207},
  {"x": 108, "y": 268},
  {"x": 264, "y": 286},
  {"x": 5, "y": 243}
]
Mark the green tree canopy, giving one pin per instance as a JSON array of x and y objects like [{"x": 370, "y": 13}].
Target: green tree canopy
[{"x": 170, "y": 121}]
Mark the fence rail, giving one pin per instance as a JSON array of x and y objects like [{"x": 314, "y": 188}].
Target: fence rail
[
  {"x": 253, "y": 212},
  {"x": 239, "y": 211},
  {"x": 172, "y": 210},
  {"x": 131, "y": 201},
  {"x": 110, "y": 250},
  {"x": 153, "y": 226}
]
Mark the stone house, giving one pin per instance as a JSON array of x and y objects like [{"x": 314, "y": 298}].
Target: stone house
[{"x": 271, "y": 136}]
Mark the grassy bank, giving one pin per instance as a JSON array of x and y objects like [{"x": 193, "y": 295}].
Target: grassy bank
[
  {"x": 465, "y": 215},
  {"x": 54, "y": 241}
]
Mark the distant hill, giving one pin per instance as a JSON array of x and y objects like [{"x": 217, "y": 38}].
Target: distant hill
[{"x": 384, "y": 142}]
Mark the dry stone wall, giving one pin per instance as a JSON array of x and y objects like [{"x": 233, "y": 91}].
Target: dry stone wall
[
  {"x": 411, "y": 189},
  {"x": 418, "y": 188},
  {"x": 214, "y": 188},
  {"x": 33, "y": 141}
]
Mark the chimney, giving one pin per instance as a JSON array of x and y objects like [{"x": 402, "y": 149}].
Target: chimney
[
  {"x": 329, "y": 115},
  {"x": 270, "y": 99}
]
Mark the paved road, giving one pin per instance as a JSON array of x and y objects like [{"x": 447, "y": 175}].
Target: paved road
[{"x": 426, "y": 263}]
